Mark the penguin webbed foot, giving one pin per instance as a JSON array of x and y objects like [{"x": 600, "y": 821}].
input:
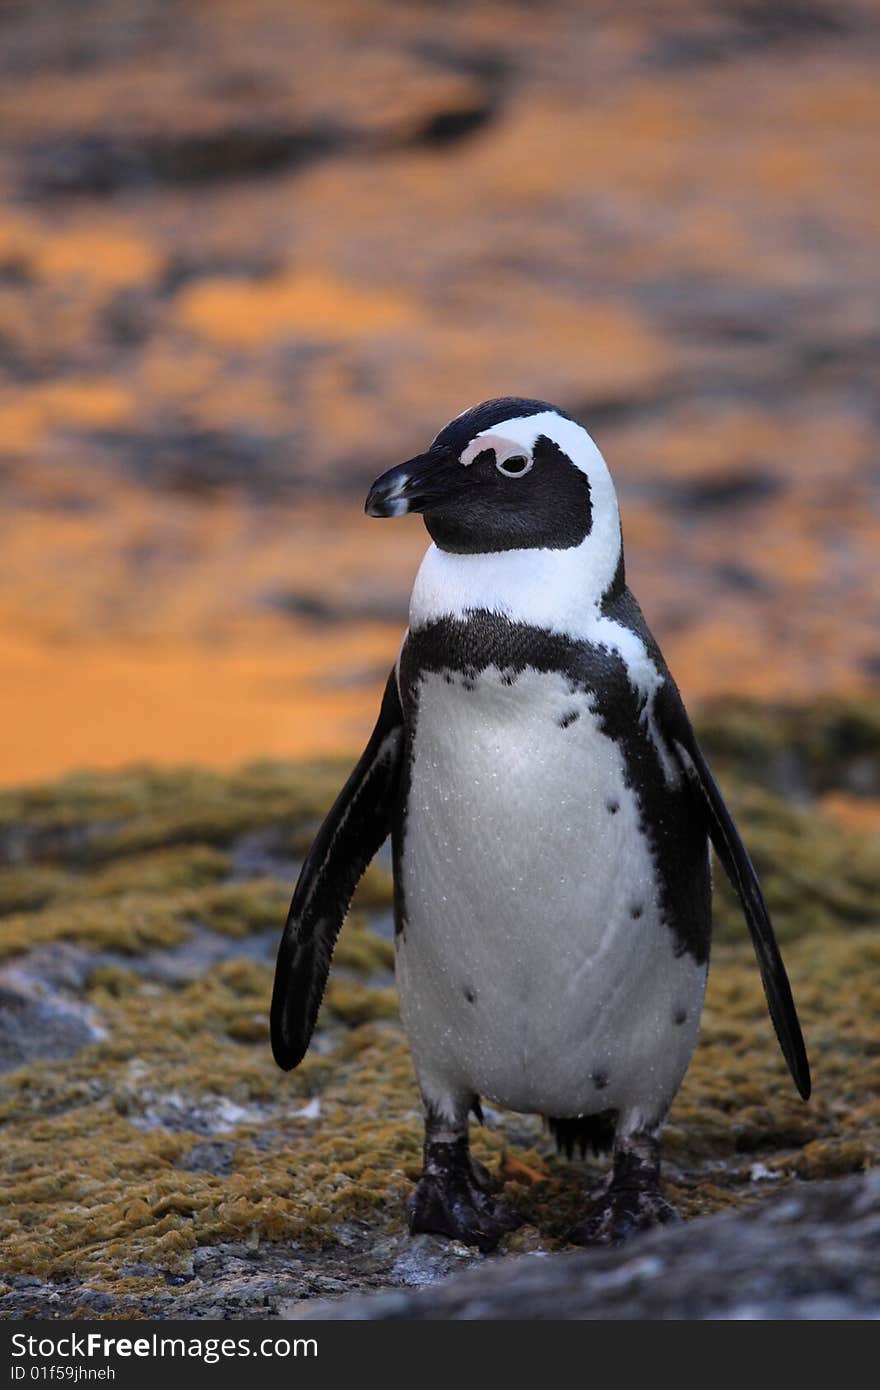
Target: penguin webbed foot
[
  {"x": 620, "y": 1214},
  {"x": 452, "y": 1198},
  {"x": 632, "y": 1202}
]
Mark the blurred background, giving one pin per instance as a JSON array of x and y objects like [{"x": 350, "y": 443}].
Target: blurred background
[{"x": 253, "y": 254}]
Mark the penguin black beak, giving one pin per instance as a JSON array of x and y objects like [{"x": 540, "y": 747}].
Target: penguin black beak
[{"x": 417, "y": 485}]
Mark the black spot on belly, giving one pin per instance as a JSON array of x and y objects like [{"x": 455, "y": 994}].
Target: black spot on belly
[
  {"x": 568, "y": 718},
  {"x": 447, "y": 677},
  {"x": 636, "y": 911},
  {"x": 680, "y": 1016},
  {"x": 470, "y": 994},
  {"x": 612, "y": 807},
  {"x": 599, "y": 1080},
  {"x": 467, "y": 683}
]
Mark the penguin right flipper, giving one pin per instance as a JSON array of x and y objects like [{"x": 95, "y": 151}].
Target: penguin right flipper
[
  {"x": 356, "y": 825},
  {"x": 741, "y": 873}
]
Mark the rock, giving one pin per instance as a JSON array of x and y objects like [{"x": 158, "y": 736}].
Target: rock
[
  {"x": 35, "y": 1023},
  {"x": 810, "y": 1254},
  {"x": 213, "y": 1156},
  {"x": 738, "y": 488},
  {"x": 178, "y": 1113},
  {"x": 428, "y": 1259},
  {"x": 190, "y": 960},
  {"x": 100, "y": 164}
]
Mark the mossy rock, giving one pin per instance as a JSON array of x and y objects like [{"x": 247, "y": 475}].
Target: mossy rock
[
  {"x": 816, "y": 875},
  {"x": 97, "y": 1181},
  {"x": 803, "y": 748},
  {"x": 93, "y": 817}
]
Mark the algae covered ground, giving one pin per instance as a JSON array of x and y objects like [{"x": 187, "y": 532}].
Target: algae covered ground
[{"x": 156, "y": 1162}]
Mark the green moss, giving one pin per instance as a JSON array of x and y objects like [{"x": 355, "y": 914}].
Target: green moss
[
  {"x": 28, "y": 887},
  {"x": 150, "y": 901},
  {"x": 94, "y": 817},
  {"x": 130, "y": 923},
  {"x": 362, "y": 950},
  {"x": 239, "y": 909},
  {"x": 114, "y": 981},
  {"x": 355, "y": 1003},
  {"x": 822, "y": 745},
  {"x": 833, "y": 1158},
  {"x": 376, "y": 888},
  {"x": 32, "y": 886},
  {"x": 161, "y": 871},
  {"x": 816, "y": 876}
]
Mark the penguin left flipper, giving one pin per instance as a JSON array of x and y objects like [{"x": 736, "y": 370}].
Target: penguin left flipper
[
  {"x": 356, "y": 825},
  {"x": 675, "y": 727}
]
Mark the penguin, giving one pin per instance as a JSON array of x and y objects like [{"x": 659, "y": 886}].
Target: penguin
[{"x": 551, "y": 815}]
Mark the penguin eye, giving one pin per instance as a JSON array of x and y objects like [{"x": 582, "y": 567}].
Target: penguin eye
[{"x": 514, "y": 466}]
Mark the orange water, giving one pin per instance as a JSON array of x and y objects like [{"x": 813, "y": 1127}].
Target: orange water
[{"x": 672, "y": 209}]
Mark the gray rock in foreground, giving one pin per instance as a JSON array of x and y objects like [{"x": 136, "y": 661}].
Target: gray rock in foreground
[{"x": 811, "y": 1252}]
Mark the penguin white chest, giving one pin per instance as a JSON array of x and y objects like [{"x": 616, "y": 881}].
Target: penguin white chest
[{"x": 534, "y": 966}]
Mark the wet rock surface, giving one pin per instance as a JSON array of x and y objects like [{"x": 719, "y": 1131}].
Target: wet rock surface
[
  {"x": 812, "y": 1255},
  {"x": 235, "y": 1280},
  {"x": 34, "y": 1024}
]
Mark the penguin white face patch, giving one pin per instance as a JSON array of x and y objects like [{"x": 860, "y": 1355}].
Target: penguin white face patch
[
  {"x": 512, "y": 458},
  {"x": 516, "y": 438}
]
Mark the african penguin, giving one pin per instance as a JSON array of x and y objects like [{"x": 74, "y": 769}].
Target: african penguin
[{"x": 550, "y": 812}]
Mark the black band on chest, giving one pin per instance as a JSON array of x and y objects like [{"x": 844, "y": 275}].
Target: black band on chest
[{"x": 671, "y": 816}]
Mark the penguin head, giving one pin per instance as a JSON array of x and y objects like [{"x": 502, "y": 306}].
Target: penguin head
[{"x": 510, "y": 474}]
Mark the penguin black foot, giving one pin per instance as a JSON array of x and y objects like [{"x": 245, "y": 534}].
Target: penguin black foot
[
  {"x": 619, "y": 1215},
  {"x": 632, "y": 1200},
  {"x": 452, "y": 1198}
]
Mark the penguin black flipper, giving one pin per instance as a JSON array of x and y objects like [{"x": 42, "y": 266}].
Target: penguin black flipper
[
  {"x": 356, "y": 825},
  {"x": 676, "y": 728}
]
